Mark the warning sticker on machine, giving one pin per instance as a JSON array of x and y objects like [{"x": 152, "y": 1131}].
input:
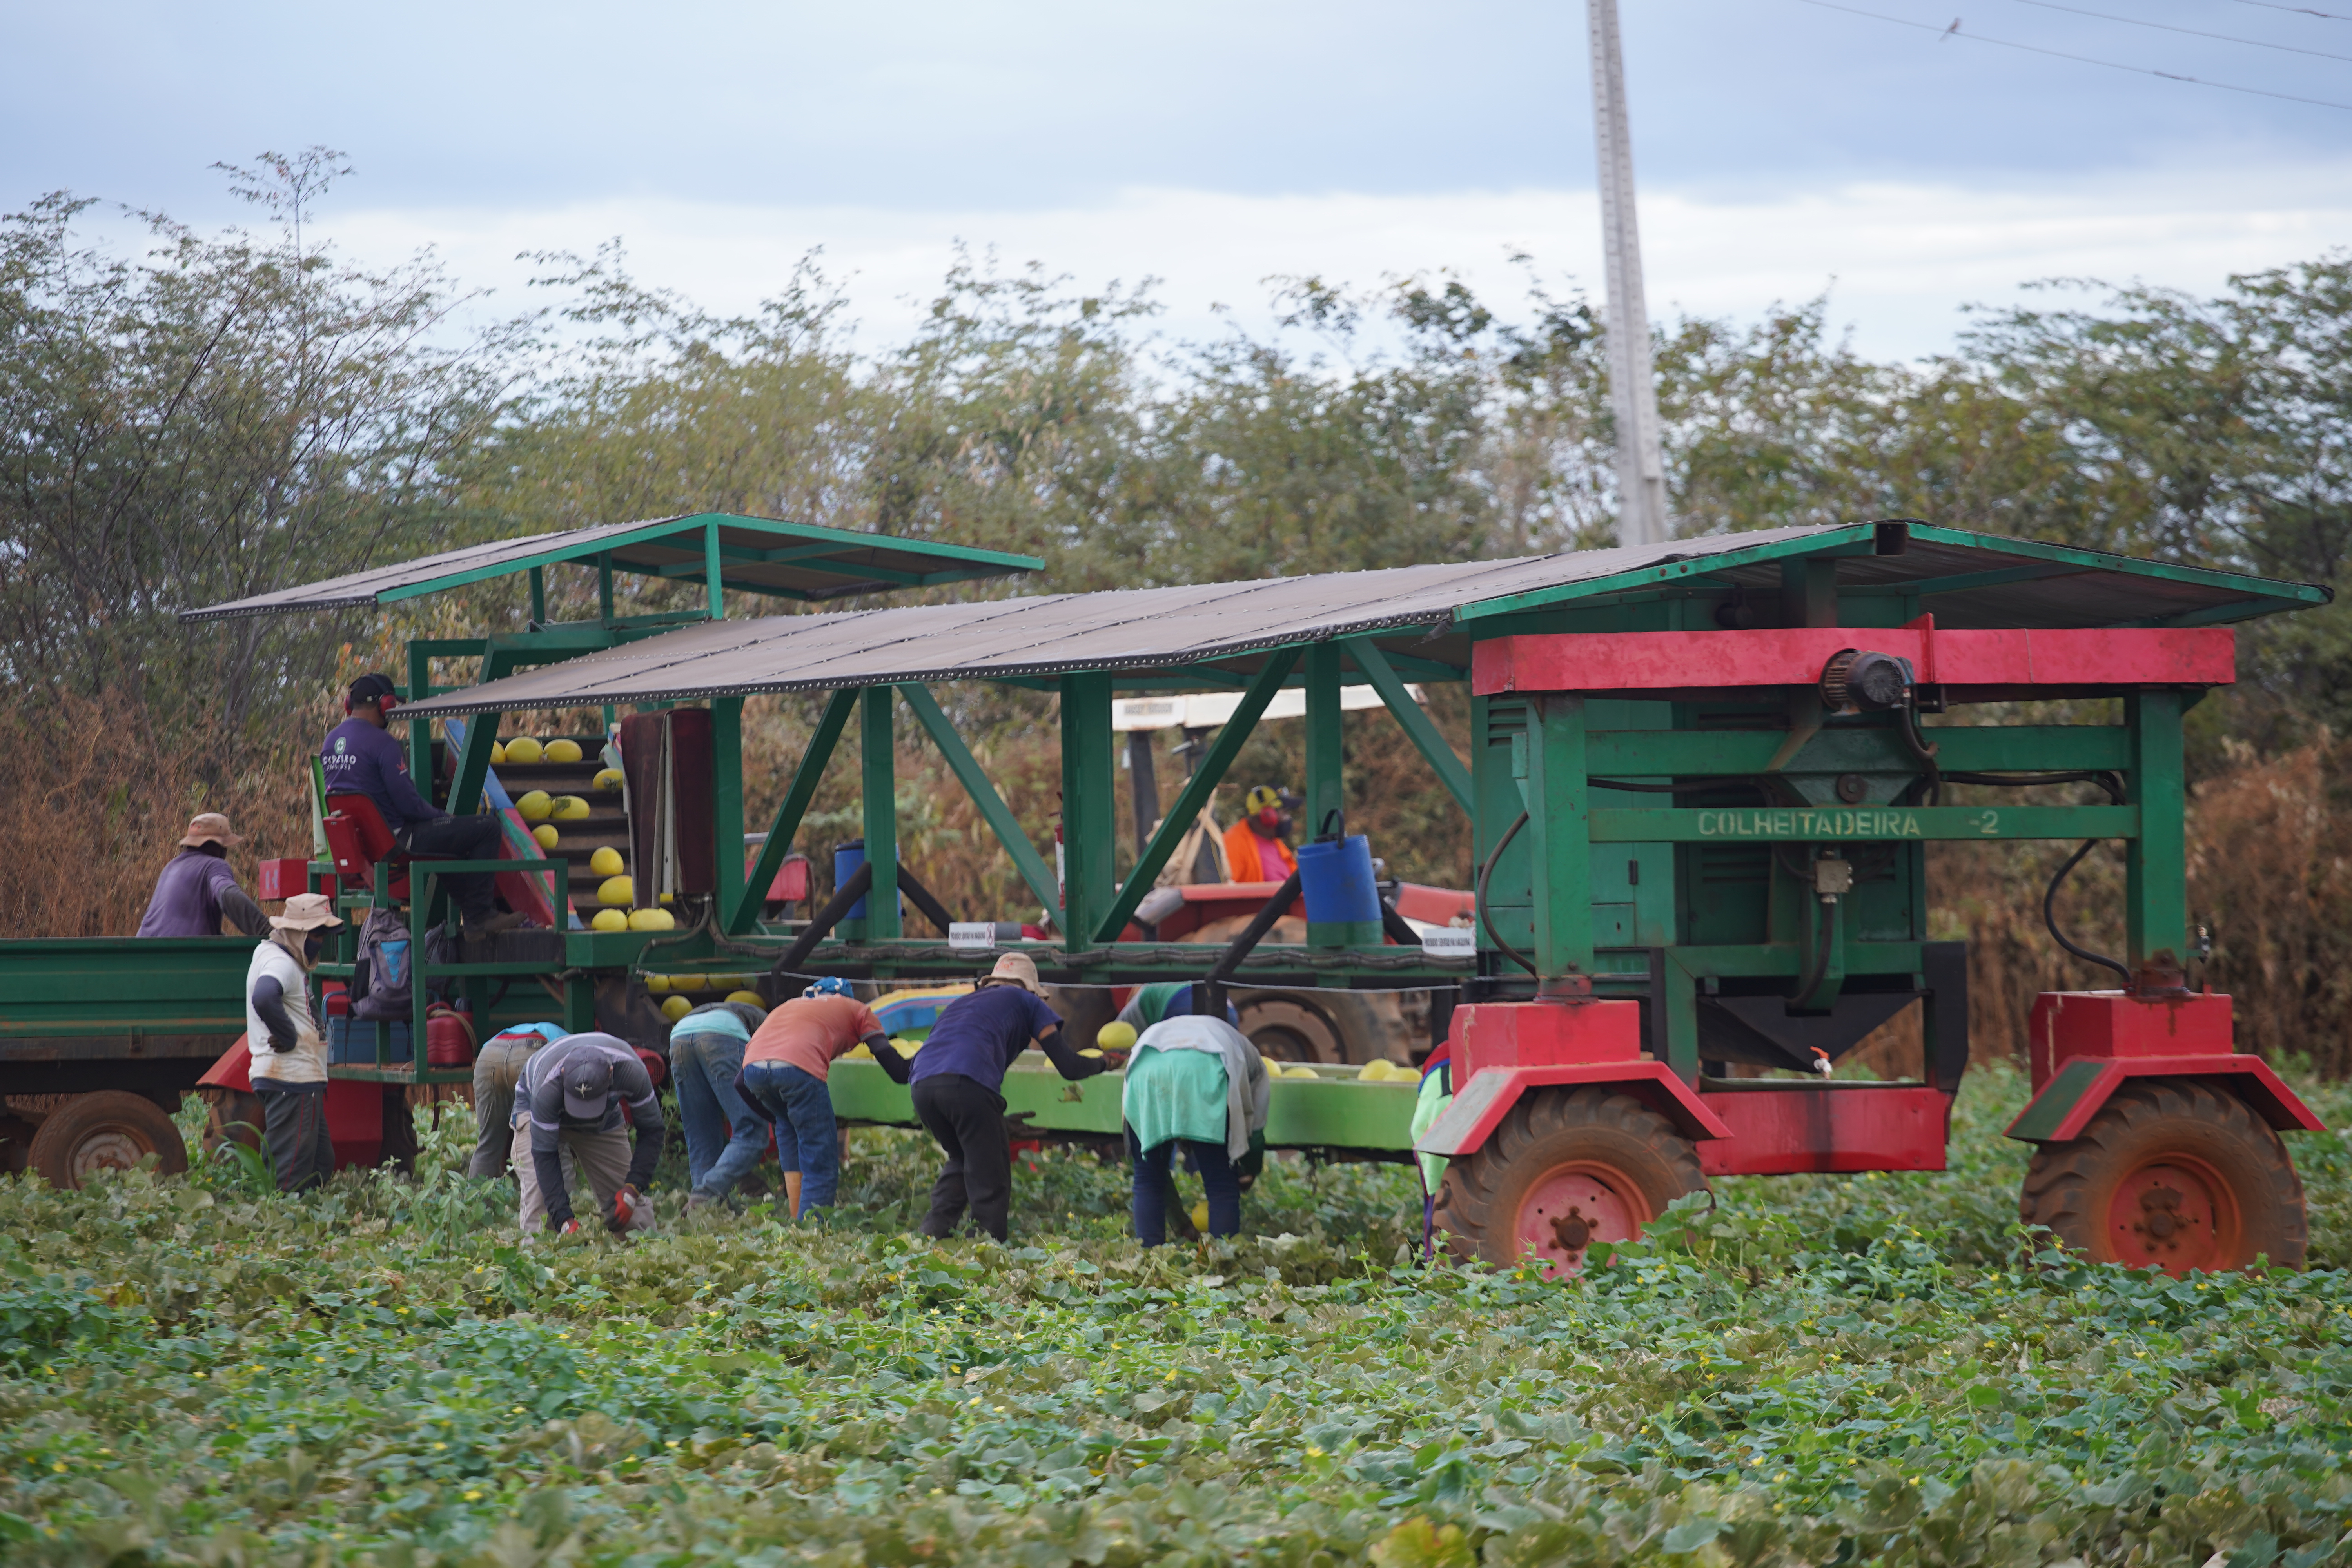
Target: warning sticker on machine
[{"x": 1804, "y": 823}]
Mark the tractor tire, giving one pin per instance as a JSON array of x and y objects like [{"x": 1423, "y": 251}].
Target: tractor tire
[
  {"x": 1564, "y": 1170},
  {"x": 2174, "y": 1175},
  {"x": 108, "y": 1130}
]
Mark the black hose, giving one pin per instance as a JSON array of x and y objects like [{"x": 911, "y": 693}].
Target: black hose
[
  {"x": 920, "y": 896},
  {"x": 1488, "y": 870},
  {"x": 1699, "y": 786},
  {"x": 1209, "y": 994},
  {"x": 2050, "y": 916},
  {"x": 1820, "y": 951},
  {"x": 1908, "y": 722},
  {"x": 1393, "y": 926}
]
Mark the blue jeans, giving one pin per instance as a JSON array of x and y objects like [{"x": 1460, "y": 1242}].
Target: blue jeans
[
  {"x": 724, "y": 1137},
  {"x": 807, "y": 1140},
  {"x": 1155, "y": 1188}
]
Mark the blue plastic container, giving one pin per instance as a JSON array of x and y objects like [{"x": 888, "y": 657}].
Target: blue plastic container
[
  {"x": 1337, "y": 880},
  {"x": 351, "y": 1041},
  {"x": 846, "y": 858}
]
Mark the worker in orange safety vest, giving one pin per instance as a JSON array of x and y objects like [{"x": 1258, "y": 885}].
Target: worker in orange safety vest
[{"x": 1256, "y": 850}]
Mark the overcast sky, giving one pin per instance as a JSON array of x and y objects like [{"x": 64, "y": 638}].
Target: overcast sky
[{"x": 1782, "y": 147}]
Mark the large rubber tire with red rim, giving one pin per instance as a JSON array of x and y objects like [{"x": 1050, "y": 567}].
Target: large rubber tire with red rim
[
  {"x": 111, "y": 1130},
  {"x": 1563, "y": 1170},
  {"x": 2172, "y": 1174}
]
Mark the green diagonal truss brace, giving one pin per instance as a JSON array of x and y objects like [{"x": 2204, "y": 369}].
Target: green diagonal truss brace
[
  {"x": 1197, "y": 790},
  {"x": 974, "y": 779},
  {"x": 1407, "y": 713},
  {"x": 788, "y": 815}
]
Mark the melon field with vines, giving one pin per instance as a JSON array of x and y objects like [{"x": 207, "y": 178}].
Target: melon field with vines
[{"x": 1826, "y": 1370}]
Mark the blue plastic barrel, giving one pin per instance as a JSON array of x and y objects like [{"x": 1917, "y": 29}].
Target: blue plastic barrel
[
  {"x": 846, "y": 858},
  {"x": 1337, "y": 880}
]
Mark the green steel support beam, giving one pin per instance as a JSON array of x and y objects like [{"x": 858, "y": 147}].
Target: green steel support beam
[
  {"x": 1376, "y": 668},
  {"x": 713, "y": 586},
  {"x": 975, "y": 781},
  {"x": 1194, "y": 797},
  {"x": 1412, "y": 665},
  {"x": 2155, "y": 880},
  {"x": 727, "y": 798},
  {"x": 878, "y": 769},
  {"x": 1326, "y": 784},
  {"x": 473, "y": 770},
  {"x": 1090, "y": 809},
  {"x": 794, "y": 806},
  {"x": 1558, "y": 823},
  {"x": 538, "y": 595},
  {"x": 605, "y": 587},
  {"x": 420, "y": 736}
]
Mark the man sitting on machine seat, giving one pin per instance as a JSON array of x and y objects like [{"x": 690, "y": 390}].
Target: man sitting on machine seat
[{"x": 359, "y": 758}]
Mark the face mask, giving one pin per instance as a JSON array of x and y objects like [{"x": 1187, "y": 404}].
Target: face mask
[{"x": 312, "y": 947}]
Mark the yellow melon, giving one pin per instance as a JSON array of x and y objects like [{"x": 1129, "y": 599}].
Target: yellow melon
[
  {"x": 522, "y": 749},
  {"x": 534, "y": 805},
  {"x": 609, "y": 779},
  {"x": 617, "y": 892},
  {"x": 1200, "y": 1216},
  {"x": 606, "y": 862},
  {"x": 547, "y": 836},
  {"x": 749, "y": 998},
  {"x": 498, "y": 753},
  {"x": 656, "y": 983},
  {"x": 609, "y": 920},
  {"x": 651, "y": 920},
  {"x": 562, "y": 752},
  {"x": 860, "y": 1052},
  {"x": 1116, "y": 1037},
  {"x": 568, "y": 808},
  {"x": 677, "y": 1008}
]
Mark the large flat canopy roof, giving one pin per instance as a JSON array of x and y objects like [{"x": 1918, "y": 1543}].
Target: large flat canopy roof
[
  {"x": 1217, "y": 634},
  {"x": 756, "y": 555}
]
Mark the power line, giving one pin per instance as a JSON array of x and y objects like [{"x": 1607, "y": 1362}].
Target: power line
[
  {"x": 1954, "y": 31},
  {"x": 2296, "y": 10},
  {"x": 2192, "y": 32}
]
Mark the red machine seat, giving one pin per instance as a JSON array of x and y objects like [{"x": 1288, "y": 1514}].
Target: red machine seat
[{"x": 359, "y": 839}]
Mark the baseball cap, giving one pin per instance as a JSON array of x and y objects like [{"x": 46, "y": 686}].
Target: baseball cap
[
  {"x": 373, "y": 688},
  {"x": 588, "y": 1088}
]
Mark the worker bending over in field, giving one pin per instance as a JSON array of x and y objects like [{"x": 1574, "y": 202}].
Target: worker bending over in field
[
  {"x": 497, "y": 1067},
  {"x": 290, "y": 1053},
  {"x": 723, "y": 1138},
  {"x": 1201, "y": 1083},
  {"x": 570, "y": 1105},
  {"x": 359, "y": 758},
  {"x": 197, "y": 889},
  {"x": 958, "y": 1078},
  {"x": 784, "y": 1081},
  {"x": 1256, "y": 850}
]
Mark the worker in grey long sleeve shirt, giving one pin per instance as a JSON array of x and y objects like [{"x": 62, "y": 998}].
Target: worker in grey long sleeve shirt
[{"x": 573, "y": 1106}]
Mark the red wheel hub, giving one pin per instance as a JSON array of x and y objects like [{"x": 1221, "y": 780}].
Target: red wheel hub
[
  {"x": 2176, "y": 1213},
  {"x": 1571, "y": 1206}
]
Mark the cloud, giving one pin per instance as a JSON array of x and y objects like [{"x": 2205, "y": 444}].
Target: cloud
[{"x": 1900, "y": 259}]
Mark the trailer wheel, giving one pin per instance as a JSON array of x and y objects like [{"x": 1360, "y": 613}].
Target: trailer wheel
[
  {"x": 1565, "y": 1170},
  {"x": 16, "y": 1144},
  {"x": 2172, "y": 1174},
  {"x": 109, "y": 1130}
]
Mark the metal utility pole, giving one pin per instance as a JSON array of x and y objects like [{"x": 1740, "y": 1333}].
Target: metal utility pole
[{"x": 1633, "y": 383}]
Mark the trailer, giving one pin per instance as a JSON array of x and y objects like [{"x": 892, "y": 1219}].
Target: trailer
[{"x": 1702, "y": 779}]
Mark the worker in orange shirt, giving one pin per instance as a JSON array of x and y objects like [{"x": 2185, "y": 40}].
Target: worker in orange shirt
[{"x": 1256, "y": 850}]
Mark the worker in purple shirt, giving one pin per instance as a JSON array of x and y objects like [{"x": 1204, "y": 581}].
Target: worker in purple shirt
[
  {"x": 359, "y": 758},
  {"x": 957, "y": 1079},
  {"x": 197, "y": 889}
]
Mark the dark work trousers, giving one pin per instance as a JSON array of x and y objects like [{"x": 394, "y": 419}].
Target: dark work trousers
[
  {"x": 460, "y": 838},
  {"x": 1155, "y": 1188},
  {"x": 399, "y": 1131},
  {"x": 294, "y": 1123},
  {"x": 968, "y": 1119}
]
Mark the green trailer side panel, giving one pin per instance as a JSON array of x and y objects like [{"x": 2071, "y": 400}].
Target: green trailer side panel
[{"x": 70, "y": 986}]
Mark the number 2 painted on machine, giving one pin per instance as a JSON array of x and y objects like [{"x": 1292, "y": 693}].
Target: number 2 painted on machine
[{"x": 1987, "y": 822}]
